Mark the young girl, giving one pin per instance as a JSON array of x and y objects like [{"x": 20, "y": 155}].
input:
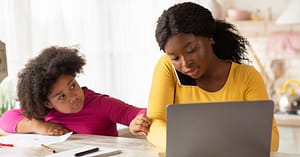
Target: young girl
[{"x": 53, "y": 103}]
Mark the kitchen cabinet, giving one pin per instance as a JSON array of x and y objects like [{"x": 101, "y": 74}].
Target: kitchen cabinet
[{"x": 289, "y": 139}]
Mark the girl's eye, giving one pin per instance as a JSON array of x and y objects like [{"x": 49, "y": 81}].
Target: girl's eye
[
  {"x": 72, "y": 86},
  {"x": 190, "y": 51},
  {"x": 61, "y": 97}
]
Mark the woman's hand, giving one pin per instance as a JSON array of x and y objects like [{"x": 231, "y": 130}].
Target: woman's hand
[
  {"x": 48, "y": 128},
  {"x": 140, "y": 125}
]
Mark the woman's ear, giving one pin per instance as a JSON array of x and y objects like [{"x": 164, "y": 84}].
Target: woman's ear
[
  {"x": 212, "y": 42},
  {"x": 48, "y": 105}
]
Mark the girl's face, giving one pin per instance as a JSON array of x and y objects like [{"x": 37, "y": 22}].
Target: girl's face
[
  {"x": 66, "y": 96},
  {"x": 191, "y": 55}
]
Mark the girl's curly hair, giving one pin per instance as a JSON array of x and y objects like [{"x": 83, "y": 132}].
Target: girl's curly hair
[
  {"x": 40, "y": 73},
  {"x": 191, "y": 18}
]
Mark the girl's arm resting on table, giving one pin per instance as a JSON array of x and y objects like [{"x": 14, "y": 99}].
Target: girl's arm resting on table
[
  {"x": 40, "y": 127},
  {"x": 14, "y": 121},
  {"x": 10, "y": 119}
]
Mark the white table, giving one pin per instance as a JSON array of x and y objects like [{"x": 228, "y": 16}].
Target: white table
[{"x": 130, "y": 147}]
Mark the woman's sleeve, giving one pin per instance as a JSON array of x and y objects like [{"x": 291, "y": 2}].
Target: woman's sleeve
[
  {"x": 257, "y": 91},
  {"x": 10, "y": 119},
  {"x": 161, "y": 94}
]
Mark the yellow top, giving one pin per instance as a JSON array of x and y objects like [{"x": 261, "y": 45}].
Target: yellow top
[{"x": 243, "y": 83}]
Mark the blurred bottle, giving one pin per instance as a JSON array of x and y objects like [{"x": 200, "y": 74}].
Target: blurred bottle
[{"x": 256, "y": 16}]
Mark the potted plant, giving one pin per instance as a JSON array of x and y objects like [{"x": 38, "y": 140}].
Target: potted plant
[{"x": 8, "y": 94}]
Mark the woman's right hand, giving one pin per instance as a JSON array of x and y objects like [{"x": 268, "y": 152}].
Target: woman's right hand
[{"x": 48, "y": 128}]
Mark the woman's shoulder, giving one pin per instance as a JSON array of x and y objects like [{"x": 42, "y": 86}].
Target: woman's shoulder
[
  {"x": 243, "y": 68},
  {"x": 165, "y": 60},
  {"x": 164, "y": 64},
  {"x": 244, "y": 72}
]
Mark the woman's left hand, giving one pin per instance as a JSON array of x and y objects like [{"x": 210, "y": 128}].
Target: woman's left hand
[{"x": 140, "y": 125}]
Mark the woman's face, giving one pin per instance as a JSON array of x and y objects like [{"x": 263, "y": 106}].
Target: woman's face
[
  {"x": 191, "y": 55},
  {"x": 66, "y": 95}
]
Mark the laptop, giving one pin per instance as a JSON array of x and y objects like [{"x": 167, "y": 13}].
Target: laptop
[{"x": 220, "y": 129}]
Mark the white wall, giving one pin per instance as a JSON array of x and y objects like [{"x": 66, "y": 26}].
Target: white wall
[{"x": 135, "y": 42}]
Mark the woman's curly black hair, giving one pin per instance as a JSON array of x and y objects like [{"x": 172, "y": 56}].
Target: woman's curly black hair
[
  {"x": 191, "y": 18},
  {"x": 40, "y": 73}
]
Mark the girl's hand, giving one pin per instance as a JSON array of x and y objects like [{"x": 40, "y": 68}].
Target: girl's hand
[
  {"x": 140, "y": 125},
  {"x": 49, "y": 128}
]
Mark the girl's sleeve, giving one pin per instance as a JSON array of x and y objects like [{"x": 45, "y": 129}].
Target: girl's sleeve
[
  {"x": 121, "y": 112},
  {"x": 10, "y": 119}
]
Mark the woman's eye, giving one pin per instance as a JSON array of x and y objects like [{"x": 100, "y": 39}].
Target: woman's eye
[
  {"x": 191, "y": 50},
  {"x": 174, "y": 58}
]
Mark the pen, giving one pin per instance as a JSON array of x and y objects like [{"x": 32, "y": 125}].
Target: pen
[
  {"x": 48, "y": 148},
  {"x": 7, "y": 145},
  {"x": 86, "y": 152}
]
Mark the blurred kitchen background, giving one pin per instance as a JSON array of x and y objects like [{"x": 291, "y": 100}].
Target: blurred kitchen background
[{"x": 117, "y": 39}]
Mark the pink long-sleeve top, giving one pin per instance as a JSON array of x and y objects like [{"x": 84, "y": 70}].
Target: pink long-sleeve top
[{"x": 99, "y": 115}]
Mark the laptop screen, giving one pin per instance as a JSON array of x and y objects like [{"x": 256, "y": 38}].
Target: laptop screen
[{"x": 227, "y": 129}]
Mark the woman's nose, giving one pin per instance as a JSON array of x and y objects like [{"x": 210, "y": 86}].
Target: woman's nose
[{"x": 185, "y": 62}]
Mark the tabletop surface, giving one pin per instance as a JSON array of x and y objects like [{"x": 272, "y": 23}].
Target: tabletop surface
[
  {"x": 130, "y": 147},
  {"x": 287, "y": 119}
]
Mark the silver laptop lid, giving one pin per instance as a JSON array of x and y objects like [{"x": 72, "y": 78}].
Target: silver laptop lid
[{"x": 220, "y": 129}]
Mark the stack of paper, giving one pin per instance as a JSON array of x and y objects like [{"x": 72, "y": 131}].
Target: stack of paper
[{"x": 32, "y": 140}]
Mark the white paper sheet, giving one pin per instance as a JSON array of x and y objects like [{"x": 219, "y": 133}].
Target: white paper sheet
[
  {"x": 32, "y": 140},
  {"x": 103, "y": 151}
]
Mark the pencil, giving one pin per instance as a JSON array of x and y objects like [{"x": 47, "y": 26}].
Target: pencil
[
  {"x": 7, "y": 145},
  {"x": 86, "y": 152},
  {"x": 48, "y": 148}
]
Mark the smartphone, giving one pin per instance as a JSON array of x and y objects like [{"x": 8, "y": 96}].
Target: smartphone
[{"x": 185, "y": 79}]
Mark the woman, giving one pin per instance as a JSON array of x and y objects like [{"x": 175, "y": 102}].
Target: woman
[{"x": 203, "y": 62}]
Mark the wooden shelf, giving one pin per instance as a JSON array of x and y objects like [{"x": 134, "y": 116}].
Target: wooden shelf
[{"x": 262, "y": 28}]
